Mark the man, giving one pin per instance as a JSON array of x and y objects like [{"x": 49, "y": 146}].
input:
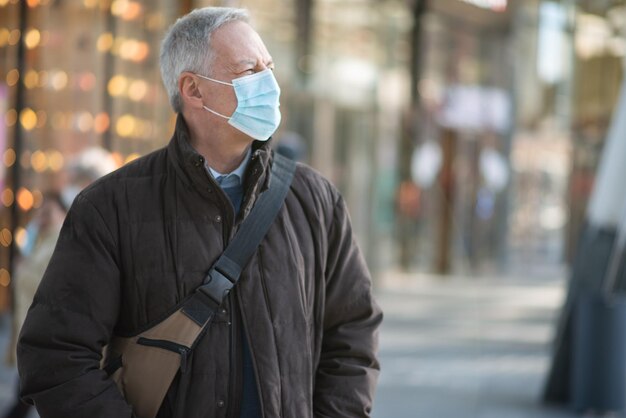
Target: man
[{"x": 296, "y": 338}]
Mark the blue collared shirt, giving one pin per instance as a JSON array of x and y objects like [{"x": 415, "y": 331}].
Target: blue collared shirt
[{"x": 235, "y": 177}]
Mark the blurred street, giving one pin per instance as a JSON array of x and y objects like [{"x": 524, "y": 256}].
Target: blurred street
[
  {"x": 453, "y": 347},
  {"x": 466, "y": 347}
]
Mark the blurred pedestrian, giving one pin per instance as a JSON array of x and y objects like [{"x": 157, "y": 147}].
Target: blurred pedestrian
[
  {"x": 296, "y": 336},
  {"x": 41, "y": 238},
  {"x": 46, "y": 225}
]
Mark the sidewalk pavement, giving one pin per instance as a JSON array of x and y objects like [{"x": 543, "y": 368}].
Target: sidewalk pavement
[
  {"x": 450, "y": 348},
  {"x": 466, "y": 348}
]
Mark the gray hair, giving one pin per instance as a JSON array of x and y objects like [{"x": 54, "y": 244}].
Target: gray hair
[{"x": 187, "y": 45}]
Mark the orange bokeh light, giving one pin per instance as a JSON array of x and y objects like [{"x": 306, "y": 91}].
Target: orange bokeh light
[
  {"x": 6, "y": 237},
  {"x": 25, "y": 199},
  {"x": 132, "y": 11},
  {"x": 101, "y": 122},
  {"x": 5, "y": 278}
]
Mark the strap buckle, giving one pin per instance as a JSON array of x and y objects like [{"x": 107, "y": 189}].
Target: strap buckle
[{"x": 216, "y": 287}]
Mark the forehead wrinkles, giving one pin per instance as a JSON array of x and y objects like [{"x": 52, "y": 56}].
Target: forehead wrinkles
[{"x": 236, "y": 42}]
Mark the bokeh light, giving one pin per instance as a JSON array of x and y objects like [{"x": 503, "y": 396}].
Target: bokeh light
[
  {"x": 38, "y": 161},
  {"x": 25, "y": 199},
  {"x": 10, "y": 117},
  {"x": 6, "y": 237},
  {"x": 7, "y": 197},
  {"x": 117, "y": 85},
  {"x": 4, "y": 36},
  {"x": 84, "y": 121},
  {"x": 119, "y": 7},
  {"x": 31, "y": 79},
  {"x": 32, "y": 38},
  {"x": 21, "y": 237},
  {"x": 9, "y": 157},
  {"x": 128, "y": 49},
  {"x": 12, "y": 77},
  {"x": 56, "y": 161},
  {"x": 105, "y": 42},
  {"x": 125, "y": 125},
  {"x": 101, "y": 122},
  {"x": 28, "y": 119},
  {"x": 137, "y": 90},
  {"x": 5, "y": 278},
  {"x": 58, "y": 80},
  {"x": 132, "y": 12},
  {"x": 141, "y": 52}
]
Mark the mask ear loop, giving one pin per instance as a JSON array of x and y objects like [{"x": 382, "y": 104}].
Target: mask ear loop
[
  {"x": 215, "y": 113},
  {"x": 215, "y": 81}
]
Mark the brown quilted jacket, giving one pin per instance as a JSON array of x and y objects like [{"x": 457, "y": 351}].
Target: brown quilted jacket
[{"x": 139, "y": 240}]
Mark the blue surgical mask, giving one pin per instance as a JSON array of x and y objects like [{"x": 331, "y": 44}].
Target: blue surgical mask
[{"x": 257, "y": 113}]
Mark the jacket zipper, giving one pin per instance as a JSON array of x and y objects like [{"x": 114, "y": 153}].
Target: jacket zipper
[{"x": 180, "y": 349}]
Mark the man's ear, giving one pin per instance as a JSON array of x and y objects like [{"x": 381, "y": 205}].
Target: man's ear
[{"x": 189, "y": 90}]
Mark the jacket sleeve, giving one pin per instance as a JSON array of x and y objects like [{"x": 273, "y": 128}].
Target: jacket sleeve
[
  {"x": 70, "y": 320},
  {"x": 348, "y": 369}
]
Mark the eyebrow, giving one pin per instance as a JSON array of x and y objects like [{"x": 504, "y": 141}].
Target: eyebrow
[{"x": 244, "y": 63}]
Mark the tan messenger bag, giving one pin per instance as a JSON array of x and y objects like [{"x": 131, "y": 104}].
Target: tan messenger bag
[{"x": 144, "y": 366}]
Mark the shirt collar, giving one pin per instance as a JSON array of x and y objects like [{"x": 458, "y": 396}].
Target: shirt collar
[{"x": 234, "y": 176}]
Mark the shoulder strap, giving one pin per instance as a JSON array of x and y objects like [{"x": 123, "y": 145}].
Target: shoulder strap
[{"x": 225, "y": 273}]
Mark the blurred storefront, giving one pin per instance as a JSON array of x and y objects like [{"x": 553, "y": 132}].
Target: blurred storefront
[
  {"x": 458, "y": 137},
  {"x": 73, "y": 74},
  {"x": 513, "y": 105}
]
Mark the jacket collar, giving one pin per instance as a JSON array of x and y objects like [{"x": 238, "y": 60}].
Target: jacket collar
[{"x": 190, "y": 166}]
